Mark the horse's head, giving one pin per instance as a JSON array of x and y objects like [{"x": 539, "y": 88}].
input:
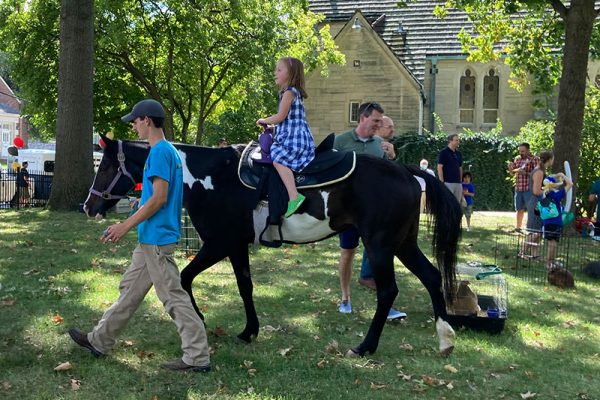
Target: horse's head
[{"x": 120, "y": 169}]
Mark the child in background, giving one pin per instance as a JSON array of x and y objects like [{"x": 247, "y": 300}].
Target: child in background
[
  {"x": 552, "y": 227},
  {"x": 468, "y": 193},
  {"x": 293, "y": 145}
]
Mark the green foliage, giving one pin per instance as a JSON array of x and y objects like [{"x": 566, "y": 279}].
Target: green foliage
[
  {"x": 484, "y": 154},
  {"x": 539, "y": 135},
  {"x": 200, "y": 59}
]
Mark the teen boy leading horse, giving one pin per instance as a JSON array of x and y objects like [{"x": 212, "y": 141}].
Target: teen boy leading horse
[{"x": 158, "y": 221}]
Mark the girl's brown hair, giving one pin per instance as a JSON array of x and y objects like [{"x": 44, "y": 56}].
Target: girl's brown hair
[
  {"x": 296, "y": 74},
  {"x": 545, "y": 156}
]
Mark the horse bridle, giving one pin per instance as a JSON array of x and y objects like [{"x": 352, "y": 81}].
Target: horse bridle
[{"x": 106, "y": 194}]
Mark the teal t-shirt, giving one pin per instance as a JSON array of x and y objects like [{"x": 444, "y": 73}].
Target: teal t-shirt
[{"x": 164, "y": 226}]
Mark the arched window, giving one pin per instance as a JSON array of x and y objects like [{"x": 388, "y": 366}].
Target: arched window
[
  {"x": 467, "y": 98},
  {"x": 490, "y": 97}
]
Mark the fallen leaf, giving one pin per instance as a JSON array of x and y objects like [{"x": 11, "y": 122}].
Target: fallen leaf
[
  {"x": 154, "y": 397},
  {"x": 6, "y": 385},
  {"x": 450, "y": 386},
  {"x": 74, "y": 251},
  {"x": 428, "y": 380},
  {"x": 406, "y": 346},
  {"x": 8, "y": 302},
  {"x": 269, "y": 328},
  {"x": 33, "y": 271},
  {"x": 247, "y": 364},
  {"x": 357, "y": 381},
  {"x": 404, "y": 376},
  {"x": 375, "y": 386},
  {"x": 332, "y": 347},
  {"x": 142, "y": 354},
  {"x": 529, "y": 374},
  {"x": 321, "y": 364},
  {"x": 128, "y": 343},
  {"x": 528, "y": 395},
  {"x": 450, "y": 368},
  {"x": 57, "y": 319},
  {"x": 284, "y": 352},
  {"x": 251, "y": 372},
  {"x": 568, "y": 324},
  {"x": 75, "y": 384},
  {"x": 219, "y": 332},
  {"x": 63, "y": 366}
]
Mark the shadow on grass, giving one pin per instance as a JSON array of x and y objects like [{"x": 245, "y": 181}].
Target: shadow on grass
[{"x": 296, "y": 291}]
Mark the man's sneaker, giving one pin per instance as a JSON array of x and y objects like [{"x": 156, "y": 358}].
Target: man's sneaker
[
  {"x": 179, "y": 365},
  {"x": 395, "y": 314},
  {"x": 81, "y": 339},
  {"x": 345, "y": 307}
]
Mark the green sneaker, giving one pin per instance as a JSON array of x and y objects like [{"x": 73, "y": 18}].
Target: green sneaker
[{"x": 293, "y": 205}]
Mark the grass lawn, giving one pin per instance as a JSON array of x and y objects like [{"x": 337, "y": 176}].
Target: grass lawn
[{"x": 54, "y": 274}]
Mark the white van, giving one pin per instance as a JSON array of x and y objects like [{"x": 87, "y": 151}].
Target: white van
[{"x": 37, "y": 159}]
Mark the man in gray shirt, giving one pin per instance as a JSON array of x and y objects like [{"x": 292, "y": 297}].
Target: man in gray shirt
[{"x": 362, "y": 140}]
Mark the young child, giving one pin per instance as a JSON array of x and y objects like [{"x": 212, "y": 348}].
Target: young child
[
  {"x": 552, "y": 227},
  {"x": 468, "y": 193},
  {"x": 293, "y": 145}
]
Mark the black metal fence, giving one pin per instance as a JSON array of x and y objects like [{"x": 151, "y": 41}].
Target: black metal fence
[
  {"x": 526, "y": 255},
  {"x": 37, "y": 195}
]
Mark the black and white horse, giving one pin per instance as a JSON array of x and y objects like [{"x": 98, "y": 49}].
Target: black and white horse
[{"x": 380, "y": 198}]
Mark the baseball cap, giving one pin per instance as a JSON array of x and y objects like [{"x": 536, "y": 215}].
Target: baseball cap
[{"x": 145, "y": 108}]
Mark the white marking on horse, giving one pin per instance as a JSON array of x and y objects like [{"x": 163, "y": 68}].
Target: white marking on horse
[
  {"x": 446, "y": 336},
  {"x": 189, "y": 179},
  {"x": 299, "y": 228}
]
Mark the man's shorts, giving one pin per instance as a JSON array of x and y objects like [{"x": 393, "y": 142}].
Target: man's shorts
[
  {"x": 349, "y": 238},
  {"x": 552, "y": 231},
  {"x": 521, "y": 200},
  {"x": 468, "y": 210}
]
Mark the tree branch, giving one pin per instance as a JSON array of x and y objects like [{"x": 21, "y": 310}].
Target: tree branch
[{"x": 560, "y": 8}]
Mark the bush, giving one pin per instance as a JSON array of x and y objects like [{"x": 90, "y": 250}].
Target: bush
[{"x": 484, "y": 154}]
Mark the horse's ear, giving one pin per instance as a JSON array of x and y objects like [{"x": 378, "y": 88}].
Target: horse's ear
[{"x": 105, "y": 141}]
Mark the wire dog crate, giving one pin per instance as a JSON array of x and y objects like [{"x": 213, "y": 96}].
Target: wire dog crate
[{"x": 481, "y": 300}]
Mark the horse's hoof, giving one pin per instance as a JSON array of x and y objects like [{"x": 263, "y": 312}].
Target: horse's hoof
[
  {"x": 447, "y": 351},
  {"x": 352, "y": 353},
  {"x": 247, "y": 339}
]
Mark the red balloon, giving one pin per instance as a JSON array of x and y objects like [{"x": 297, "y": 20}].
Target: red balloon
[
  {"x": 18, "y": 142},
  {"x": 101, "y": 143}
]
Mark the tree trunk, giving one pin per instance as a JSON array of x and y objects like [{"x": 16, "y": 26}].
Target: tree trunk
[
  {"x": 73, "y": 171},
  {"x": 579, "y": 22}
]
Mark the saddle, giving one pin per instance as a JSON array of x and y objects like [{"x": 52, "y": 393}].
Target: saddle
[
  {"x": 255, "y": 172},
  {"x": 329, "y": 166}
]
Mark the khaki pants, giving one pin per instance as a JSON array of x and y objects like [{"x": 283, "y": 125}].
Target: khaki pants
[{"x": 154, "y": 265}]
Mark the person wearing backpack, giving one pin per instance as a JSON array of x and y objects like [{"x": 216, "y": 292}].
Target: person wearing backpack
[
  {"x": 534, "y": 223},
  {"x": 550, "y": 208}
]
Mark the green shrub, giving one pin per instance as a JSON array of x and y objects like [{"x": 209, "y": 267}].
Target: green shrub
[{"x": 484, "y": 154}]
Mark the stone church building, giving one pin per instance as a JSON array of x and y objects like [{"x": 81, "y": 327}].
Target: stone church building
[{"x": 412, "y": 63}]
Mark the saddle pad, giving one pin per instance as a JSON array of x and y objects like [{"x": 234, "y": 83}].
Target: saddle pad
[{"x": 328, "y": 167}]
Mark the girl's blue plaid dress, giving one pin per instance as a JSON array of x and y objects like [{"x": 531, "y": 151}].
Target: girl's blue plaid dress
[{"x": 293, "y": 145}]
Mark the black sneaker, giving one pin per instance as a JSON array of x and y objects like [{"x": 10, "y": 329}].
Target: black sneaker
[
  {"x": 179, "y": 365},
  {"x": 81, "y": 339}
]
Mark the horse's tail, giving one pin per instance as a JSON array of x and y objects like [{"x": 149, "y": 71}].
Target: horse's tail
[{"x": 445, "y": 216}]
